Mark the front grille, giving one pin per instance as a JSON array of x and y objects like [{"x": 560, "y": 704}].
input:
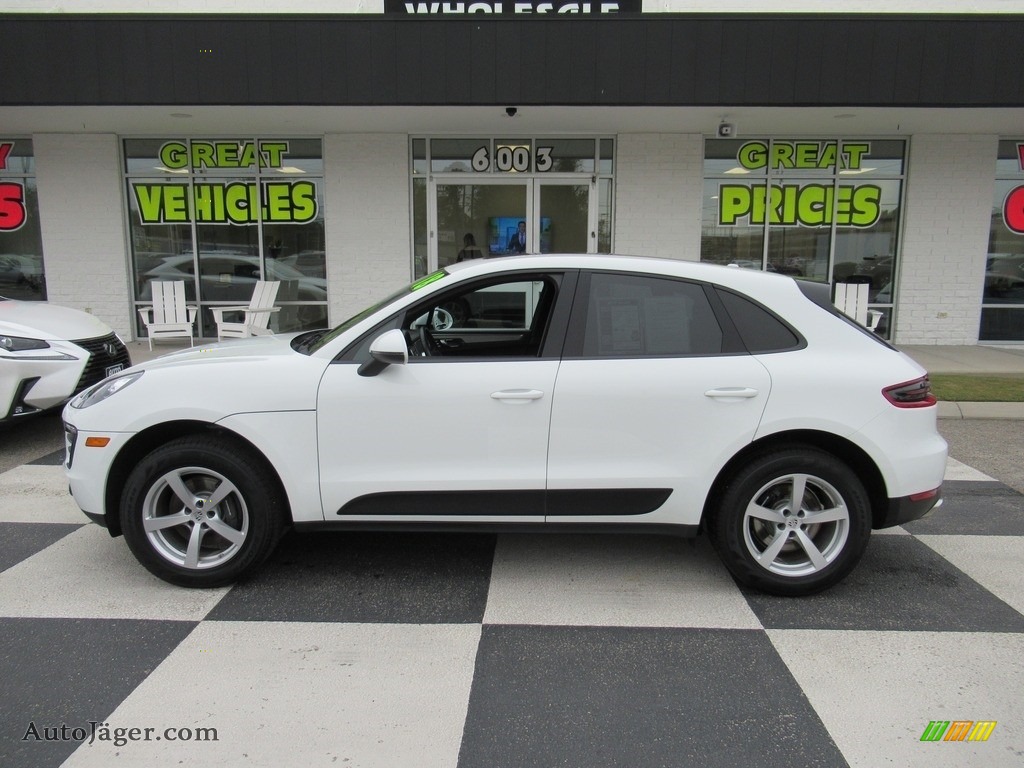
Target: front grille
[{"x": 100, "y": 359}]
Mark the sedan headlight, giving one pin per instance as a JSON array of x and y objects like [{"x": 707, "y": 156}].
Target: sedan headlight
[
  {"x": 20, "y": 344},
  {"x": 105, "y": 389}
]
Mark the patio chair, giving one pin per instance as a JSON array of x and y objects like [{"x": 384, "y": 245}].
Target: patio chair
[
  {"x": 852, "y": 300},
  {"x": 169, "y": 317},
  {"x": 252, "y": 320}
]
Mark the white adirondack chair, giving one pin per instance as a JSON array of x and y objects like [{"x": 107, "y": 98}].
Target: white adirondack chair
[
  {"x": 254, "y": 318},
  {"x": 852, "y": 301},
  {"x": 169, "y": 317}
]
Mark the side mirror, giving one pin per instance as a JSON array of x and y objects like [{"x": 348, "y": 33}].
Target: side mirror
[{"x": 387, "y": 349}]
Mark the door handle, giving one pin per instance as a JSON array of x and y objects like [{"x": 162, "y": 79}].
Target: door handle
[
  {"x": 728, "y": 393},
  {"x": 517, "y": 395}
]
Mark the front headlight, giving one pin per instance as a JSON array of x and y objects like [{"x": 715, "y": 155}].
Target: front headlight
[
  {"x": 20, "y": 344},
  {"x": 105, "y": 389}
]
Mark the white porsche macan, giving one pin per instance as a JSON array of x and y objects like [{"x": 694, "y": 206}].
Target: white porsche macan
[
  {"x": 554, "y": 393},
  {"x": 48, "y": 353}
]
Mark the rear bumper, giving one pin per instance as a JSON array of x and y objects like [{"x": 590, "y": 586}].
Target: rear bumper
[{"x": 907, "y": 508}]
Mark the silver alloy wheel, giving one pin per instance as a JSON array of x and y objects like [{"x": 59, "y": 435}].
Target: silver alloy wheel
[
  {"x": 796, "y": 525},
  {"x": 195, "y": 518}
]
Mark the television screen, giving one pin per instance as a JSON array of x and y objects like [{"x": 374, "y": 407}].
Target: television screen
[{"x": 501, "y": 230}]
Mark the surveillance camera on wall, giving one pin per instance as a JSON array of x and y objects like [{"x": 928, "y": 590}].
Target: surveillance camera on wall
[
  {"x": 726, "y": 130},
  {"x": 511, "y": 111}
]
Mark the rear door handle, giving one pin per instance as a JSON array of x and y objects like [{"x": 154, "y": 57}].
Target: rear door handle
[
  {"x": 731, "y": 392},
  {"x": 517, "y": 395}
]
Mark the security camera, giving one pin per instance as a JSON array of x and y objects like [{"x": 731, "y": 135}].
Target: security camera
[
  {"x": 511, "y": 111},
  {"x": 726, "y": 130}
]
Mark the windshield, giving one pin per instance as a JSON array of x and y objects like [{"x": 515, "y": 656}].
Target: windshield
[{"x": 329, "y": 336}]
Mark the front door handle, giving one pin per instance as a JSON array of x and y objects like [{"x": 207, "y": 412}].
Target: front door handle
[
  {"x": 517, "y": 395},
  {"x": 729, "y": 393}
]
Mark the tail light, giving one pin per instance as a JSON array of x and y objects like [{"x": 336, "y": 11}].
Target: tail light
[{"x": 911, "y": 394}]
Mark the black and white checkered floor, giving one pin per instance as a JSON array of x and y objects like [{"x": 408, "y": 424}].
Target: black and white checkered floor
[{"x": 512, "y": 650}]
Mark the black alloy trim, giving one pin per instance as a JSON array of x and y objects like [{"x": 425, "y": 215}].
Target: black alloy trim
[
  {"x": 511, "y": 503},
  {"x": 652, "y": 529},
  {"x": 905, "y": 509}
]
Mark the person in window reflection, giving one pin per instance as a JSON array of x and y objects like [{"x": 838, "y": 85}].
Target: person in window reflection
[
  {"x": 517, "y": 243},
  {"x": 470, "y": 250}
]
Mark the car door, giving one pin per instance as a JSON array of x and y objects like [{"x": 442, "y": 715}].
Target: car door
[
  {"x": 458, "y": 433},
  {"x": 652, "y": 398}
]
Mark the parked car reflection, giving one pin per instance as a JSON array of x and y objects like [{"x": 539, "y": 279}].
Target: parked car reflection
[{"x": 1004, "y": 277}]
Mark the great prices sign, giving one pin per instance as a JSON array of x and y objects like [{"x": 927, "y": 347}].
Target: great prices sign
[
  {"x": 12, "y": 195},
  {"x": 1013, "y": 206},
  {"x": 241, "y": 202},
  {"x": 801, "y": 203}
]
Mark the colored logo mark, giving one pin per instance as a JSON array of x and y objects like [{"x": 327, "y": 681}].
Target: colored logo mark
[{"x": 958, "y": 730}]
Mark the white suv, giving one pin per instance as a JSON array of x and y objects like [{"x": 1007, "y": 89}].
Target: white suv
[{"x": 540, "y": 392}]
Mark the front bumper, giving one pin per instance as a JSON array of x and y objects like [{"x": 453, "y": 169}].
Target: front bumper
[{"x": 88, "y": 468}]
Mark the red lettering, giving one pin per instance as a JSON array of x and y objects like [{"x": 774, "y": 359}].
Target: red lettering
[
  {"x": 1013, "y": 211},
  {"x": 5, "y": 150},
  {"x": 12, "y": 206}
]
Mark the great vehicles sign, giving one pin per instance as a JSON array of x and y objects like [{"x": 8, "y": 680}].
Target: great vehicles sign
[
  {"x": 242, "y": 202},
  {"x": 12, "y": 195}
]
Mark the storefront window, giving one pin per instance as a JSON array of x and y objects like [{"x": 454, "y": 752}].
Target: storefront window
[
  {"x": 825, "y": 210},
  {"x": 1002, "y": 312},
  {"x": 21, "y": 244},
  {"x": 222, "y": 214}
]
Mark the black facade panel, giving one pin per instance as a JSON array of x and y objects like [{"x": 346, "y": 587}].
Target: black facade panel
[{"x": 659, "y": 59}]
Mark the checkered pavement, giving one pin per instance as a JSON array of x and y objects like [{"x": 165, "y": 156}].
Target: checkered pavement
[{"x": 481, "y": 651}]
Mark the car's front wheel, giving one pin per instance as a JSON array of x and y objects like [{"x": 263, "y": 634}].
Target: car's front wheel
[
  {"x": 201, "y": 511},
  {"x": 792, "y": 522}
]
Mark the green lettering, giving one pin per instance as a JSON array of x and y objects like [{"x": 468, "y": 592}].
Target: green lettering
[
  {"x": 734, "y": 201},
  {"x": 853, "y": 155},
  {"x": 175, "y": 203},
  {"x": 202, "y": 155},
  {"x": 148, "y": 198},
  {"x": 248, "y": 155},
  {"x": 279, "y": 202},
  {"x": 866, "y": 205},
  {"x": 238, "y": 203},
  {"x": 174, "y": 155},
  {"x": 782, "y": 155},
  {"x": 274, "y": 153},
  {"x": 828, "y": 156},
  {"x": 814, "y": 206},
  {"x": 807, "y": 155},
  {"x": 304, "y": 200},
  {"x": 752, "y": 155},
  {"x": 227, "y": 155}
]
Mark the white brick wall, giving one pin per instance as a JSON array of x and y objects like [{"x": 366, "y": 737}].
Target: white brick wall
[
  {"x": 81, "y": 214},
  {"x": 368, "y": 219},
  {"x": 658, "y": 195},
  {"x": 950, "y": 184}
]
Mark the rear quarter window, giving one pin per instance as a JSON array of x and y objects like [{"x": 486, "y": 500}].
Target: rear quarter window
[{"x": 760, "y": 330}]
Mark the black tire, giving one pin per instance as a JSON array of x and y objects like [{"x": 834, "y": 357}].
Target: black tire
[
  {"x": 820, "y": 542},
  {"x": 168, "y": 496}
]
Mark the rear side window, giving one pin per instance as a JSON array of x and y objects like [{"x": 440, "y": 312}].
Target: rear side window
[
  {"x": 642, "y": 316},
  {"x": 760, "y": 330}
]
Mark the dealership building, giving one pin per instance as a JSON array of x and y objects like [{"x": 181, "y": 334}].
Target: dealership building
[{"x": 345, "y": 148}]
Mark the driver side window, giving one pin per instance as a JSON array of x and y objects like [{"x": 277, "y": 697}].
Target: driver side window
[{"x": 496, "y": 319}]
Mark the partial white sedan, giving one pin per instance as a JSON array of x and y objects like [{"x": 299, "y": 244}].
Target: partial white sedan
[
  {"x": 553, "y": 393},
  {"x": 50, "y": 353}
]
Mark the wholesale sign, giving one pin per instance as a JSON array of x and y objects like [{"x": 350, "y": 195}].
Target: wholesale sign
[
  {"x": 800, "y": 203},
  {"x": 240, "y": 202}
]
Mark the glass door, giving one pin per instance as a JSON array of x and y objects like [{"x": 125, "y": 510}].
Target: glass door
[
  {"x": 564, "y": 217},
  {"x": 476, "y": 220}
]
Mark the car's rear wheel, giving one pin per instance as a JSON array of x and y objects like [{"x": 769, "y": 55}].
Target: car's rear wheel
[
  {"x": 792, "y": 521},
  {"x": 201, "y": 511}
]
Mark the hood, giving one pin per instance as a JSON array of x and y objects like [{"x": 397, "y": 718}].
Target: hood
[
  {"x": 50, "y": 322},
  {"x": 254, "y": 348}
]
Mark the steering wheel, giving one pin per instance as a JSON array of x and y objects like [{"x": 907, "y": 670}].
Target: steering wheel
[
  {"x": 441, "y": 319},
  {"x": 428, "y": 343}
]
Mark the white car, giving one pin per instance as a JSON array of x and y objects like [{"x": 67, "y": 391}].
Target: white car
[
  {"x": 526, "y": 393},
  {"x": 50, "y": 353}
]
